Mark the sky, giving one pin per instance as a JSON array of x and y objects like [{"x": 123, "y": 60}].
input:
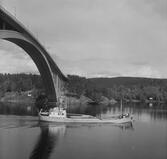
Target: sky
[{"x": 93, "y": 38}]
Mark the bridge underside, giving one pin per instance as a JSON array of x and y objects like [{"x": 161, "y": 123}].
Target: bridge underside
[
  {"x": 13, "y": 31},
  {"x": 39, "y": 60}
]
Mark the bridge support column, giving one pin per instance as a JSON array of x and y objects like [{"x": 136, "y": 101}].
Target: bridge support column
[
  {"x": 3, "y": 26},
  {"x": 59, "y": 86}
]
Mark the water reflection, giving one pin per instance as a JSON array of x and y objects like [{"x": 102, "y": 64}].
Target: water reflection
[
  {"x": 17, "y": 109},
  {"x": 139, "y": 110},
  {"x": 51, "y": 134},
  {"x": 155, "y": 112},
  {"x": 20, "y": 132},
  {"x": 125, "y": 127},
  {"x": 47, "y": 140}
]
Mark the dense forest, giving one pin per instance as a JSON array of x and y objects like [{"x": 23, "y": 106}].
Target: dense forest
[
  {"x": 128, "y": 88},
  {"x": 19, "y": 83}
]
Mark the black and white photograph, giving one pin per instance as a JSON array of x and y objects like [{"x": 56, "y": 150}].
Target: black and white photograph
[{"x": 83, "y": 79}]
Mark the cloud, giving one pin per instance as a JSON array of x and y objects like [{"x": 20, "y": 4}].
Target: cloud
[
  {"x": 99, "y": 37},
  {"x": 157, "y": 7},
  {"x": 144, "y": 71},
  {"x": 15, "y": 62}
]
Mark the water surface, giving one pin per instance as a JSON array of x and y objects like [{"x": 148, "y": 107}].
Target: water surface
[{"x": 23, "y": 136}]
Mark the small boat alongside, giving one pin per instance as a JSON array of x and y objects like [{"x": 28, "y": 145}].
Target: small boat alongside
[{"x": 59, "y": 115}]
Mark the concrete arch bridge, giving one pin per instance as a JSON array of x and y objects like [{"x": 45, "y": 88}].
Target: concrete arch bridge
[{"x": 13, "y": 31}]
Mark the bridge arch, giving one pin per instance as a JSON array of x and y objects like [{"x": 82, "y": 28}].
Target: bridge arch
[
  {"x": 36, "y": 55},
  {"x": 13, "y": 31}
]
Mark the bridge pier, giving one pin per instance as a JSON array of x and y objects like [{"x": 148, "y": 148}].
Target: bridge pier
[{"x": 3, "y": 26}]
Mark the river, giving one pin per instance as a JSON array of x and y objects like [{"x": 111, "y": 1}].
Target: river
[{"x": 22, "y": 136}]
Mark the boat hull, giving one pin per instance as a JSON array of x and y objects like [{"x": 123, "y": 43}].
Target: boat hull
[{"x": 84, "y": 120}]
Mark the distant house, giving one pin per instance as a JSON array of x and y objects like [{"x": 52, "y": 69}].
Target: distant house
[
  {"x": 29, "y": 93},
  {"x": 150, "y": 98}
]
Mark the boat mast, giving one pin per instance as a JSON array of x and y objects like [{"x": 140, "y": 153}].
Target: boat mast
[{"x": 121, "y": 107}]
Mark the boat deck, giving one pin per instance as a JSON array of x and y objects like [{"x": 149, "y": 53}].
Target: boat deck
[{"x": 84, "y": 119}]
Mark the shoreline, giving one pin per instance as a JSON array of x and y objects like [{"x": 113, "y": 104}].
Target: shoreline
[{"x": 25, "y": 97}]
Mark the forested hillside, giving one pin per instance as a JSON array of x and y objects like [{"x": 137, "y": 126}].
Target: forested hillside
[
  {"x": 128, "y": 81},
  {"x": 19, "y": 82},
  {"x": 128, "y": 88}
]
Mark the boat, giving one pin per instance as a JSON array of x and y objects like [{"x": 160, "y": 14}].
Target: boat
[{"x": 60, "y": 115}]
